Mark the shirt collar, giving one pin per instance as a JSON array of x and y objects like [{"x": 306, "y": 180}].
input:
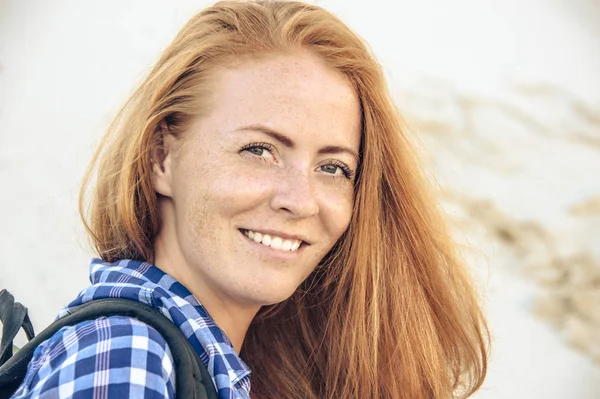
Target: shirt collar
[{"x": 143, "y": 282}]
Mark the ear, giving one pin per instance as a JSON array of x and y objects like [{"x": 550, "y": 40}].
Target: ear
[{"x": 162, "y": 161}]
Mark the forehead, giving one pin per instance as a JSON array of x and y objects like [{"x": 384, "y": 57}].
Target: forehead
[
  {"x": 302, "y": 74},
  {"x": 296, "y": 94}
]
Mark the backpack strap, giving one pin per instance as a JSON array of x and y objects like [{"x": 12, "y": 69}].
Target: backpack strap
[
  {"x": 13, "y": 316},
  {"x": 191, "y": 377}
]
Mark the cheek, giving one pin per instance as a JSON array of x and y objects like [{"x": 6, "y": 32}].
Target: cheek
[
  {"x": 209, "y": 193},
  {"x": 238, "y": 189},
  {"x": 336, "y": 209}
]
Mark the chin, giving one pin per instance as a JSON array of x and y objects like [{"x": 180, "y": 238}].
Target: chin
[
  {"x": 273, "y": 299},
  {"x": 270, "y": 297}
]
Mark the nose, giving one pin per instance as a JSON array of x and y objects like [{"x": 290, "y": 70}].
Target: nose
[{"x": 294, "y": 194}]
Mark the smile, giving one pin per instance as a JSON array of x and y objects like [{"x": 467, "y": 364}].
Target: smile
[{"x": 272, "y": 241}]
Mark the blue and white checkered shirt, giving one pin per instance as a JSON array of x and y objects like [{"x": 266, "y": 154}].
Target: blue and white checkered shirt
[{"x": 121, "y": 357}]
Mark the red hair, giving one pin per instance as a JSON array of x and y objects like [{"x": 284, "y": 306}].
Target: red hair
[{"x": 390, "y": 312}]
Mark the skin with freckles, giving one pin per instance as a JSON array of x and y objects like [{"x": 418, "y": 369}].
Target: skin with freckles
[{"x": 276, "y": 152}]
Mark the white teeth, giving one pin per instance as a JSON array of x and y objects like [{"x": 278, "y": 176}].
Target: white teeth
[
  {"x": 266, "y": 240},
  {"x": 276, "y": 243},
  {"x": 273, "y": 242},
  {"x": 287, "y": 245}
]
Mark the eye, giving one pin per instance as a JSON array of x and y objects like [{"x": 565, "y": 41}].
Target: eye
[
  {"x": 330, "y": 168},
  {"x": 337, "y": 169},
  {"x": 260, "y": 150}
]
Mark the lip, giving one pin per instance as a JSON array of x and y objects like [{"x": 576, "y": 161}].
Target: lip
[
  {"x": 279, "y": 234},
  {"x": 271, "y": 252}
]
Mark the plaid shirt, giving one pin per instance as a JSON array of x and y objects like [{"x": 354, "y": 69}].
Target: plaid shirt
[{"x": 121, "y": 357}]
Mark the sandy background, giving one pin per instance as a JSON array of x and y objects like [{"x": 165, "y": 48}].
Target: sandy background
[{"x": 504, "y": 97}]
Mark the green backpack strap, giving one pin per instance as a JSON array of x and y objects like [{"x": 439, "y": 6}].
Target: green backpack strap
[{"x": 192, "y": 380}]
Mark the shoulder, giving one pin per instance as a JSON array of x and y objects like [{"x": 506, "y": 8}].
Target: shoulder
[{"x": 113, "y": 356}]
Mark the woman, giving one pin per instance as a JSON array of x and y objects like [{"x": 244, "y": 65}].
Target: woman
[{"x": 259, "y": 189}]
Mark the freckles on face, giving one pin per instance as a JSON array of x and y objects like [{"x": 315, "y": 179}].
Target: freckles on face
[
  {"x": 276, "y": 154},
  {"x": 337, "y": 210}
]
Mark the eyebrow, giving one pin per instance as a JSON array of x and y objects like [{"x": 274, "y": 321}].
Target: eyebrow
[{"x": 288, "y": 142}]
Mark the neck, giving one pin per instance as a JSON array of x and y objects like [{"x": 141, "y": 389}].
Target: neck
[
  {"x": 234, "y": 321},
  {"x": 231, "y": 316}
]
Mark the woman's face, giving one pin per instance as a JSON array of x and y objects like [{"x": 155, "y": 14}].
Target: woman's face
[{"x": 261, "y": 187}]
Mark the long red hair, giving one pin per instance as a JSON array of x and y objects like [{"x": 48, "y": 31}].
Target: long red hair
[{"x": 390, "y": 312}]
